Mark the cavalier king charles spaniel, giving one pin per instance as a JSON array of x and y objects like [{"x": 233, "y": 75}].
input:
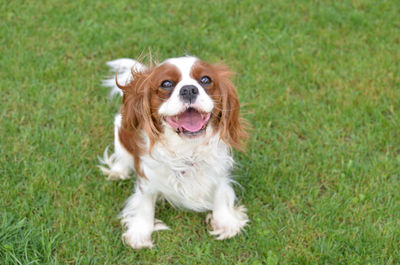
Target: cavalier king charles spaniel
[{"x": 176, "y": 128}]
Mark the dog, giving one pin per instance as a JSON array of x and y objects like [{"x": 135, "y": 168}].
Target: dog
[{"x": 176, "y": 129}]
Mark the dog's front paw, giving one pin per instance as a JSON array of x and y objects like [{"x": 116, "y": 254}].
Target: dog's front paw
[
  {"x": 227, "y": 223},
  {"x": 137, "y": 239}
]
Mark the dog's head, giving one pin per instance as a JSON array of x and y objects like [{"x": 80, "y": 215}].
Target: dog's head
[{"x": 184, "y": 95}]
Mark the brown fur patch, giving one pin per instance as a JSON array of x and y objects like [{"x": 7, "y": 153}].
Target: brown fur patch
[
  {"x": 226, "y": 114},
  {"x": 140, "y": 102}
]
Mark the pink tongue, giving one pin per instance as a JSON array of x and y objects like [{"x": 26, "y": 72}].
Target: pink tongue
[{"x": 191, "y": 120}]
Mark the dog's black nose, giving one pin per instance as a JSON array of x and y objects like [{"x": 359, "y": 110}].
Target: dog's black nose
[{"x": 189, "y": 93}]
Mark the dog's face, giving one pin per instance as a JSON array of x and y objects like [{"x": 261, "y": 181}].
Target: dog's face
[
  {"x": 188, "y": 104},
  {"x": 185, "y": 95}
]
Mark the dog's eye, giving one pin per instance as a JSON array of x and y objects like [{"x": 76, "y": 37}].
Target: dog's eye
[
  {"x": 167, "y": 84},
  {"x": 205, "y": 80}
]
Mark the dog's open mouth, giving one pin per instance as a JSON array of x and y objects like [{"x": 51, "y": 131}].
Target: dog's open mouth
[{"x": 191, "y": 122}]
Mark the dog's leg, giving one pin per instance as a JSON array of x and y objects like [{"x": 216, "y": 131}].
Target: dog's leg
[
  {"x": 138, "y": 218},
  {"x": 226, "y": 219},
  {"x": 120, "y": 164}
]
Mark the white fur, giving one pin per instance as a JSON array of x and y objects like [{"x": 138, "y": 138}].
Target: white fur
[
  {"x": 120, "y": 164},
  {"x": 191, "y": 173},
  {"x": 123, "y": 69}
]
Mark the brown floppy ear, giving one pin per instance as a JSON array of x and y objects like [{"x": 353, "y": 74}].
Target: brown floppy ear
[
  {"x": 137, "y": 116},
  {"x": 232, "y": 125}
]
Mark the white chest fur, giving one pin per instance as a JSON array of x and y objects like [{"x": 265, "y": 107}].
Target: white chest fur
[{"x": 187, "y": 172}]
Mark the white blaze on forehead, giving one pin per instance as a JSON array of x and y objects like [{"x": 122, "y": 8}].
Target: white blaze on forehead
[
  {"x": 174, "y": 104},
  {"x": 184, "y": 64}
]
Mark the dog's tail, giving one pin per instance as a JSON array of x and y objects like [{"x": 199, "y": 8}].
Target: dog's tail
[{"x": 123, "y": 68}]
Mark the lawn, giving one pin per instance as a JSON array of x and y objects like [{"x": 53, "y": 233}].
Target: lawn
[{"x": 320, "y": 83}]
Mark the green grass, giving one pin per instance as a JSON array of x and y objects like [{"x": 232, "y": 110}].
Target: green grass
[{"x": 321, "y": 177}]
